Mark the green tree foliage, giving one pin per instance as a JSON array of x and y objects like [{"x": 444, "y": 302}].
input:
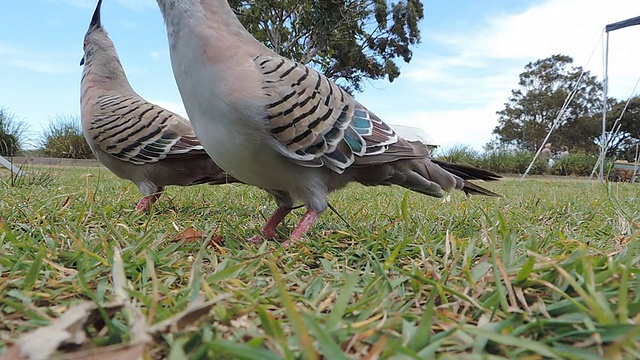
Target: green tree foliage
[
  {"x": 532, "y": 108},
  {"x": 347, "y": 40},
  {"x": 12, "y": 133},
  {"x": 622, "y": 145},
  {"x": 64, "y": 139}
]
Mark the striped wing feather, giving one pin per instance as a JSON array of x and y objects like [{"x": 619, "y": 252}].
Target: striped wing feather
[
  {"x": 314, "y": 121},
  {"x": 136, "y": 131}
]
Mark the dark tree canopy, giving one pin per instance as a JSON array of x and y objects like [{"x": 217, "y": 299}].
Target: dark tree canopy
[
  {"x": 623, "y": 144},
  {"x": 347, "y": 40},
  {"x": 543, "y": 89}
]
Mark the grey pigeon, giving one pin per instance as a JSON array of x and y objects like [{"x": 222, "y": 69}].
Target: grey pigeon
[
  {"x": 133, "y": 138},
  {"x": 282, "y": 126}
]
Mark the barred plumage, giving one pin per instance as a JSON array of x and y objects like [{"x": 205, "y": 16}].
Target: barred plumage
[
  {"x": 133, "y": 130},
  {"x": 289, "y": 129},
  {"x": 311, "y": 116},
  {"x": 133, "y": 138}
]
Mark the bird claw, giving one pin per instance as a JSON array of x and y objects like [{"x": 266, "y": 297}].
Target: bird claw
[
  {"x": 143, "y": 206},
  {"x": 255, "y": 239},
  {"x": 288, "y": 243},
  {"x": 259, "y": 238}
]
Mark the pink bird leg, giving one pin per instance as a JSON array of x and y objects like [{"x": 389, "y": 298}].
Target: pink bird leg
[
  {"x": 144, "y": 205},
  {"x": 268, "y": 231},
  {"x": 303, "y": 227}
]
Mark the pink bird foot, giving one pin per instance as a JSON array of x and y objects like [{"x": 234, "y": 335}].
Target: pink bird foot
[
  {"x": 268, "y": 231},
  {"x": 144, "y": 205}
]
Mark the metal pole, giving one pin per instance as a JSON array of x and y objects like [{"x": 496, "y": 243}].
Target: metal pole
[{"x": 604, "y": 108}]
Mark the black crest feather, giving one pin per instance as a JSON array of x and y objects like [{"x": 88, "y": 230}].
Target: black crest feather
[{"x": 95, "y": 20}]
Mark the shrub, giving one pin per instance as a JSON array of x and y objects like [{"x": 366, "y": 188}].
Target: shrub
[
  {"x": 514, "y": 161},
  {"x": 64, "y": 139},
  {"x": 500, "y": 160},
  {"x": 461, "y": 154},
  {"x": 12, "y": 132},
  {"x": 575, "y": 164}
]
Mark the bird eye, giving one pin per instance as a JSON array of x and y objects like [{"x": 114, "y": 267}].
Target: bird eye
[{"x": 84, "y": 46}]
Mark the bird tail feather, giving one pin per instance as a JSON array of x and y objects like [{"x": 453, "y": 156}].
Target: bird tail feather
[{"x": 430, "y": 177}]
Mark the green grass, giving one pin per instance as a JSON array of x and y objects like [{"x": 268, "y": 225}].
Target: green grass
[{"x": 549, "y": 271}]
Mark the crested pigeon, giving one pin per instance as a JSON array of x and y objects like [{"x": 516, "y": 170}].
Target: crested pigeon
[
  {"x": 133, "y": 138},
  {"x": 284, "y": 127}
]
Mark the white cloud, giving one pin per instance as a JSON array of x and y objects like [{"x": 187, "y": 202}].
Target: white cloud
[
  {"x": 155, "y": 55},
  {"x": 571, "y": 27},
  {"x": 6, "y": 49},
  {"x": 453, "y": 127},
  {"x": 42, "y": 66},
  {"x": 50, "y": 62},
  {"x": 474, "y": 81}
]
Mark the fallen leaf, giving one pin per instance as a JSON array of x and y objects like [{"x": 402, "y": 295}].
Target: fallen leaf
[
  {"x": 378, "y": 348},
  {"x": 66, "y": 330},
  {"x": 66, "y": 202},
  {"x": 194, "y": 311},
  {"x": 623, "y": 240},
  {"x": 112, "y": 352},
  {"x": 189, "y": 234},
  {"x": 216, "y": 240},
  {"x": 118, "y": 277}
]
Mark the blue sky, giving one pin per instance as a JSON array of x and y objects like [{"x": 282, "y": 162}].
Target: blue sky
[{"x": 461, "y": 74}]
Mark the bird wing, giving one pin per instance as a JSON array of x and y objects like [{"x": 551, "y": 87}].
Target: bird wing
[
  {"x": 133, "y": 130},
  {"x": 314, "y": 121}
]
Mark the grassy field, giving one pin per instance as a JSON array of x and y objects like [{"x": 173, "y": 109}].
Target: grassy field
[{"x": 548, "y": 271}]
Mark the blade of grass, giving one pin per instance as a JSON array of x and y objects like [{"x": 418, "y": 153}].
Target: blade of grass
[
  {"x": 304, "y": 340},
  {"x": 326, "y": 345},
  {"x": 340, "y": 306}
]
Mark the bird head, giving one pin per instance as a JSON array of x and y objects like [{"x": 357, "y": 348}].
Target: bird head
[{"x": 96, "y": 38}]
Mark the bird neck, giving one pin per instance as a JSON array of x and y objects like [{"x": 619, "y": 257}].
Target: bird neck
[
  {"x": 105, "y": 73},
  {"x": 213, "y": 22}
]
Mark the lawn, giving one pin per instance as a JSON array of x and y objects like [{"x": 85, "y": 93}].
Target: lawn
[{"x": 548, "y": 271}]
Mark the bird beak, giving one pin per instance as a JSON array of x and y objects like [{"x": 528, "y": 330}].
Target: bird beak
[
  {"x": 95, "y": 20},
  {"x": 82, "y": 61}
]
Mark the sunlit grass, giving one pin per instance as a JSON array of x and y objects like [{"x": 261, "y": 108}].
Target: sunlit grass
[{"x": 548, "y": 271}]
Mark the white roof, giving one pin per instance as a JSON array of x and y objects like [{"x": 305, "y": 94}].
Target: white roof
[{"x": 413, "y": 133}]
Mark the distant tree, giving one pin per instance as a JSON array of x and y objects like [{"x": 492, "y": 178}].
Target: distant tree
[
  {"x": 64, "y": 139},
  {"x": 534, "y": 106},
  {"x": 347, "y": 40},
  {"x": 623, "y": 144},
  {"x": 12, "y": 133}
]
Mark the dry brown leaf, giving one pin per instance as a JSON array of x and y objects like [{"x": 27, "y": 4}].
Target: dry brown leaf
[
  {"x": 66, "y": 330},
  {"x": 189, "y": 234},
  {"x": 216, "y": 240},
  {"x": 192, "y": 313},
  {"x": 623, "y": 240},
  {"x": 348, "y": 345},
  {"x": 377, "y": 348},
  {"x": 66, "y": 202},
  {"x": 112, "y": 352}
]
